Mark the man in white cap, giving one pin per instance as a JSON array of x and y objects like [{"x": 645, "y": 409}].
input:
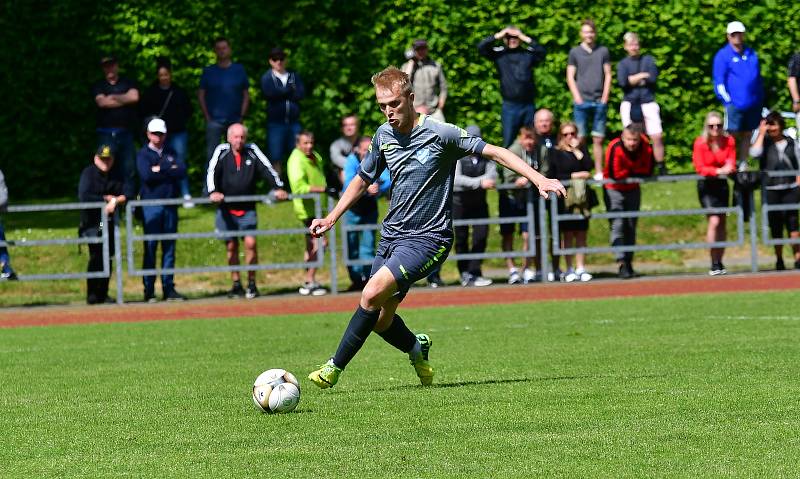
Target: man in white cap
[
  {"x": 161, "y": 171},
  {"x": 738, "y": 85}
]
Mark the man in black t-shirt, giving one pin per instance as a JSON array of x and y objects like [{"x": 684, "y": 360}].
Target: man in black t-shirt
[{"x": 116, "y": 98}]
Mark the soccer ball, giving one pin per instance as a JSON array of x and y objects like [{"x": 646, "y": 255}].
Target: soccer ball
[{"x": 276, "y": 390}]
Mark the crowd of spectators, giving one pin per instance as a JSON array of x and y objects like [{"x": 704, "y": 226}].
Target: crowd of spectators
[{"x": 572, "y": 151}]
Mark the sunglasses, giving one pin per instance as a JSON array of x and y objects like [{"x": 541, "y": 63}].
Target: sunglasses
[
  {"x": 569, "y": 133},
  {"x": 715, "y": 125}
]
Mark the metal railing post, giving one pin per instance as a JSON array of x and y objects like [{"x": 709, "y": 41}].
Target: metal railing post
[
  {"x": 753, "y": 231},
  {"x": 334, "y": 261},
  {"x": 544, "y": 256},
  {"x": 118, "y": 258}
]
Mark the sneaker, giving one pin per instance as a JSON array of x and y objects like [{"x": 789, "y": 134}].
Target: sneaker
[
  {"x": 150, "y": 297},
  {"x": 570, "y": 276},
  {"x": 305, "y": 290},
  {"x": 187, "y": 201},
  {"x": 9, "y": 276},
  {"x": 467, "y": 279},
  {"x": 318, "y": 290},
  {"x": 779, "y": 266},
  {"x": 717, "y": 269},
  {"x": 252, "y": 291},
  {"x": 583, "y": 276},
  {"x": 236, "y": 291},
  {"x": 421, "y": 365},
  {"x": 173, "y": 295},
  {"x": 555, "y": 276},
  {"x": 514, "y": 277},
  {"x": 480, "y": 281},
  {"x": 435, "y": 281},
  {"x": 528, "y": 276},
  {"x": 326, "y": 376},
  {"x": 625, "y": 271}
]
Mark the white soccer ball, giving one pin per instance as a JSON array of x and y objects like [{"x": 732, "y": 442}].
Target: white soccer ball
[{"x": 276, "y": 390}]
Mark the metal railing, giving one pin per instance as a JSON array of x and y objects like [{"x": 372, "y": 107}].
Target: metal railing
[{"x": 766, "y": 208}]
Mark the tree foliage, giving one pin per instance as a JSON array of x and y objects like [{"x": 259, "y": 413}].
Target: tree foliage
[{"x": 51, "y": 51}]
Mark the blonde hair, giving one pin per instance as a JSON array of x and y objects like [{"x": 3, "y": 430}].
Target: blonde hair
[
  {"x": 562, "y": 144},
  {"x": 629, "y": 37},
  {"x": 392, "y": 78},
  {"x": 709, "y": 116}
]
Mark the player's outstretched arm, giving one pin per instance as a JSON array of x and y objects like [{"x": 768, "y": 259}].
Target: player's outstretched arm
[
  {"x": 513, "y": 162},
  {"x": 354, "y": 191}
]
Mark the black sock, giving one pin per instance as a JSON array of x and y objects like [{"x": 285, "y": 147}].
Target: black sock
[
  {"x": 355, "y": 335},
  {"x": 398, "y": 335}
]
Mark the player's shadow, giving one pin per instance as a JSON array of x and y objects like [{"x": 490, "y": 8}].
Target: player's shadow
[{"x": 489, "y": 382}]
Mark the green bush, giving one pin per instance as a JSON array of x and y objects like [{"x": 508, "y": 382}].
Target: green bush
[{"x": 51, "y": 51}]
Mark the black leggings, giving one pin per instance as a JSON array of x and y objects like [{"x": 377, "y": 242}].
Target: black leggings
[{"x": 780, "y": 219}]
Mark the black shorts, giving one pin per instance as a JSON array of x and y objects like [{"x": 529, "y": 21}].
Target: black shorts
[
  {"x": 510, "y": 206},
  {"x": 713, "y": 193},
  {"x": 409, "y": 259},
  {"x": 780, "y": 219},
  {"x": 570, "y": 225}
]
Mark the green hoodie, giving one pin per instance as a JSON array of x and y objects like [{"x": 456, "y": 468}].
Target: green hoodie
[{"x": 303, "y": 174}]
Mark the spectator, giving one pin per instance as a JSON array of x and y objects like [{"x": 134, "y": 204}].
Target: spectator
[
  {"x": 738, "y": 85},
  {"x": 97, "y": 184},
  {"x": 589, "y": 81},
  {"x": 714, "y": 155},
  {"x": 165, "y": 100},
  {"x": 161, "y": 172},
  {"x": 342, "y": 147},
  {"x": 232, "y": 172},
  {"x": 546, "y": 141},
  {"x": 628, "y": 156},
  {"x": 572, "y": 162},
  {"x": 515, "y": 68},
  {"x": 777, "y": 152},
  {"x": 514, "y": 203},
  {"x": 306, "y": 172},
  {"x": 794, "y": 88},
  {"x": 474, "y": 175},
  {"x": 283, "y": 90},
  {"x": 637, "y": 75},
  {"x": 223, "y": 95},
  {"x": 6, "y": 271},
  {"x": 361, "y": 244},
  {"x": 427, "y": 81},
  {"x": 116, "y": 98}
]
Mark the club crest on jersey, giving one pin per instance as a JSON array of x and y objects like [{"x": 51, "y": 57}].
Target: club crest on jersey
[
  {"x": 422, "y": 155},
  {"x": 248, "y": 162}
]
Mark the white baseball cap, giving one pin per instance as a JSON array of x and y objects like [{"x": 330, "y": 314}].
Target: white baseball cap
[
  {"x": 157, "y": 125},
  {"x": 735, "y": 27}
]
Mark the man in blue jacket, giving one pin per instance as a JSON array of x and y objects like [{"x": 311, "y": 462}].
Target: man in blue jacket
[
  {"x": 738, "y": 85},
  {"x": 161, "y": 171},
  {"x": 283, "y": 90}
]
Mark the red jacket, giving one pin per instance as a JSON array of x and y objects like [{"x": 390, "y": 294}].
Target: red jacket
[
  {"x": 706, "y": 161},
  {"x": 621, "y": 164}
]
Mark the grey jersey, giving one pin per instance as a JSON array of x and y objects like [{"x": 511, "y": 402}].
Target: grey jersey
[{"x": 422, "y": 167}]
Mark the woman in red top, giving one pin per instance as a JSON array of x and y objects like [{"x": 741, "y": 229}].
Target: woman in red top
[{"x": 714, "y": 155}]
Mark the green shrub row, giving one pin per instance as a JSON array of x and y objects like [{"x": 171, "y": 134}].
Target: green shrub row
[{"x": 51, "y": 49}]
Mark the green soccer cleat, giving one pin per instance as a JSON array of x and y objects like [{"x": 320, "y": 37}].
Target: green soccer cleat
[
  {"x": 421, "y": 365},
  {"x": 326, "y": 376}
]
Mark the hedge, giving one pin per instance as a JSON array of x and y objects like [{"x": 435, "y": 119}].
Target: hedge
[{"x": 51, "y": 50}]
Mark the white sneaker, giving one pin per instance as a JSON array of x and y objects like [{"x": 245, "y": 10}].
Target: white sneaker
[
  {"x": 583, "y": 276},
  {"x": 187, "y": 201},
  {"x": 480, "y": 281},
  {"x": 570, "y": 276},
  {"x": 305, "y": 290},
  {"x": 554, "y": 276},
  {"x": 528, "y": 276},
  {"x": 514, "y": 277},
  {"x": 318, "y": 290}
]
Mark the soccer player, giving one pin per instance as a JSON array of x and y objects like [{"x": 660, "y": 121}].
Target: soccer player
[{"x": 417, "y": 231}]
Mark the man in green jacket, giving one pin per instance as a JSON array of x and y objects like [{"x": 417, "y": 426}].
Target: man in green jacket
[{"x": 306, "y": 173}]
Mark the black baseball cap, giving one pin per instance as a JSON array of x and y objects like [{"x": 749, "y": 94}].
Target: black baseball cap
[
  {"x": 105, "y": 152},
  {"x": 277, "y": 53}
]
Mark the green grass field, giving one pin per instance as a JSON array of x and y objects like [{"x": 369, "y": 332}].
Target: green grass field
[{"x": 690, "y": 386}]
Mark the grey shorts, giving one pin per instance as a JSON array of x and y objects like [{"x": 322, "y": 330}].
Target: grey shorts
[
  {"x": 225, "y": 221},
  {"x": 409, "y": 259}
]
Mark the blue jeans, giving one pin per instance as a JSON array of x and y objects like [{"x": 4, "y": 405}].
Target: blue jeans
[
  {"x": 598, "y": 111},
  {"x": 5, "y": 260},
  {"x": 360, "y": 245},
  {"x": 180, "y": 143},
  {"x": 513, "y": 116},
  {"x": 158, "y": 220},
  {"x": 280, "y": 142},
  {"x": 121, "y": 142},
  {"x": 742, "y": 120}
]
